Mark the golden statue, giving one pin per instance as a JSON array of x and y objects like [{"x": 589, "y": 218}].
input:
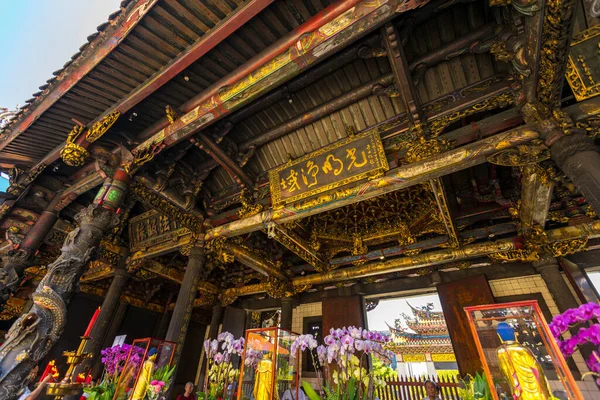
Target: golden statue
[
  {"x": 263, "y": 381},
  {"x": 521, "y": 369},
  {"x": 139, "y": 389}
]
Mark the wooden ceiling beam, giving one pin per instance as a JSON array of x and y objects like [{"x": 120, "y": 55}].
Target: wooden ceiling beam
[
  {"x": 95, "y": 51},
  {"x": 205, "y": 143},
  {"x": 293, "y": 242},
  {"x": 549, "y": 34},
  {"x": 336, "y": 26},
  {"x": 178, "y": 64},
  {"x": 252, "y": 260},
  {"x": 203, "y": 45},
  {"x": 134, "y": 301},
  {"x": 438, "y": 257},
  {"x": 399, "y": 178},
  {"x": 402, "y": 76},
  {"x": 416, "y": 120},
  {"x": 536, "y": 196}
]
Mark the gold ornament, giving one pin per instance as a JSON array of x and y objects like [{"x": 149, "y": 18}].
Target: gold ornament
[
  {"x": 520, "y": 155},
  {"x": 515, "y": 255},
  {"x": 228, "y": 297},
  {"x": 500, "y": 101},
  {"x": 141, "y": 155},
  {"x": 100, "y": 127},
  {"x": 578, "y": 73},
  {"x": 557, "y": 216},
  {"x": 564, "y": 248},
  {"x": 426, "y": 148},
  {"x": 217, "y": 246},
  {"x": 359, "y": 247},
  {"x": 556, "y": 28},
  {"x": 589, "y": 211},
  {"x": 73, "y": 154},
  {"x": 500, "y": 52},
  {"x": 248, "y": 208},
  {"x": 172, "y": 115}
]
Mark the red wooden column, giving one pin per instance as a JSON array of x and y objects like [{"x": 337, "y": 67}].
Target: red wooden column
[
  {"x": 454, "y": 296},
  {"x": 342, "y": 311}
]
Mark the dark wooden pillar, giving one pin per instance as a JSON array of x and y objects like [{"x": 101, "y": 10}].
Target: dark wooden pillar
[
  {"x": 190, "y": 357},
  {"x": 163, "y": 324},
  {"x": 287, "y": 308},
  {"x": 107, "y": 311},
  {"x": 185, "y": 300},
  {"x": 184, "y": 305},
  {"x": 578, "y": 157},
  {"x": 213, "y": 332},
  {"x": 549, "y": 270},
  {"x": 234, "y": 321},
  {"x": 215, "y": 321},
  {"x": 18, "y": 259}
]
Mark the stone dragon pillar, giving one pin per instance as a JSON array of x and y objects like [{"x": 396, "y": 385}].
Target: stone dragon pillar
[
  {"x": 23, "y": 256},
  {"x": 33, "y": 334}
]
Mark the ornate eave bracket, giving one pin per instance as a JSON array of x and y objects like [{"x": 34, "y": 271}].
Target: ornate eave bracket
[{"x": 297, "y": 245}]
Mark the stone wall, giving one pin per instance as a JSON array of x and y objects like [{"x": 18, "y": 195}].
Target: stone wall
[{"x": 300, "y": 312}]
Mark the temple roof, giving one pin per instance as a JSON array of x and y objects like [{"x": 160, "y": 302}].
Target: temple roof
[
  {"x": 428, "y": 332},
  {"x": 141, "y": 44}
]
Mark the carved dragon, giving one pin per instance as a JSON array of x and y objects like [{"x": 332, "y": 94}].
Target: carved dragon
[{"x": 33, "y": 334}]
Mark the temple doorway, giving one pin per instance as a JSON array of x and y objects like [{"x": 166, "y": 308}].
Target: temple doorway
[{"x": 419, "y": 335}]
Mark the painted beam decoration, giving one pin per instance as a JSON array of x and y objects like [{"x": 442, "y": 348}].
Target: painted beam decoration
[
  {"x": 583, "y": 64},
  {"x": 153, "y": 233},
  {"x": 346, "y": 161},
  {"x": 343, "y": 22}
]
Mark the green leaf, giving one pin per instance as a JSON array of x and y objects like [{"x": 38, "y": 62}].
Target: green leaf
[
  {"x": 310, "y": 392},
  {"x": 351, "y": 390},
  {"x": 331, "y": 395}
]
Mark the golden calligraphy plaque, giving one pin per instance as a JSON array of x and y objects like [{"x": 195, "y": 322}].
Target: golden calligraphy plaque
[
  {"x": 153, "y": 233},
  {"x": 583, "y": 64},
  {"x": 343, "y": 162}
]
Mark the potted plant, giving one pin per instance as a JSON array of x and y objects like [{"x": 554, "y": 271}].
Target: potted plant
[
  {"x": 114, "y": 359},
  {"x": 342, "y": 362},
  {"x": 221, "y": 375}
]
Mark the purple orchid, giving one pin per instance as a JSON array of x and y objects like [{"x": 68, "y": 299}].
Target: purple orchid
[
  {"x": 347, "y": 342},
  {"x": 329, "y": 340},
  {"x": 114, "y": 358},
  {"x": 356, "y": 333},
  {"x": 214, "y": 348},
  {"x": 322, "y": 354},
  {"x": 591, "y": 334}
]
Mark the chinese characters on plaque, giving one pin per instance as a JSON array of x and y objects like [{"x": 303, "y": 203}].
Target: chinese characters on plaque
[
  {"x": 583, "y": 64},
  {"x": 349, "y": 160},
  {"x": 153, "y": 231}
]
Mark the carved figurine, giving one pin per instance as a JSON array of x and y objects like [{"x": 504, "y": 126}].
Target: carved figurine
[
  {"x": 139, "y": 389},
  {"x": 263, "y": 381},
  {"x": 521, "y": 369}
]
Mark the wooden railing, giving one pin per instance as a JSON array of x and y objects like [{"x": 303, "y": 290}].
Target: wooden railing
[
  {"x": 400, "y": 388},
  {"x": 413, "y": 388},
  {"x": 248, "y": 387}
]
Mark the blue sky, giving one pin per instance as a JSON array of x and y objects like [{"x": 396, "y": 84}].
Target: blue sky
[{"x": 37, "y": 37}]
